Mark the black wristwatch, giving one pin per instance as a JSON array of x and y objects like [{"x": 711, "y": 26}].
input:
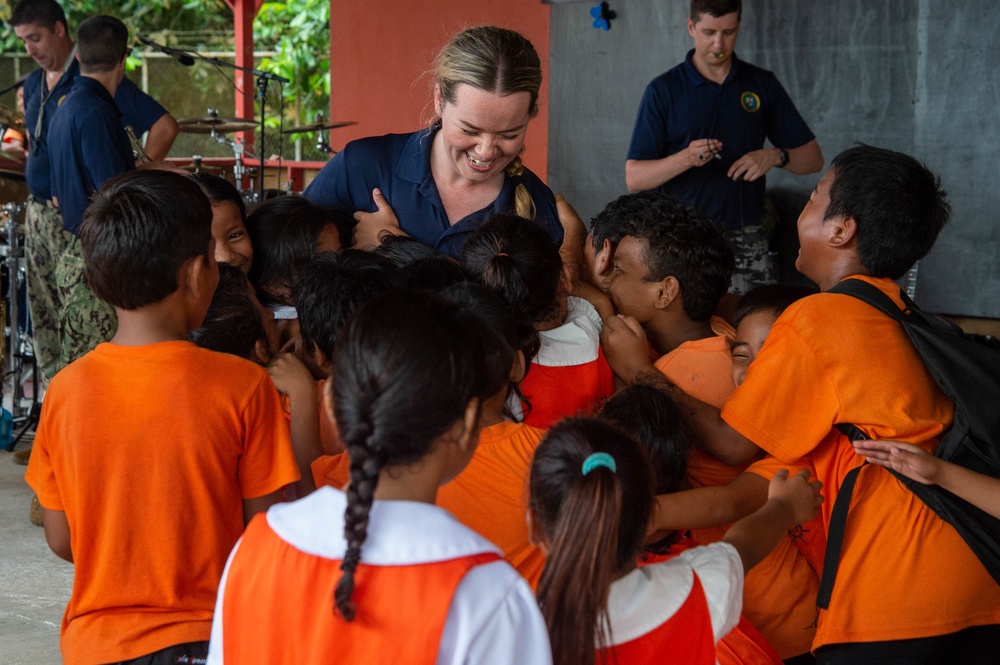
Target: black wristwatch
[{"x": 783, "y": 156}]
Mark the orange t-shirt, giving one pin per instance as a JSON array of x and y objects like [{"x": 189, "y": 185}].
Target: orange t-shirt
[
  {"x": 780, "y": 591},
  {"x": 830, "y": 358},
  {"x": 150, "y": 452},
  {"x": 703, "y": 368},
  {"x": 490, "y": 496}
]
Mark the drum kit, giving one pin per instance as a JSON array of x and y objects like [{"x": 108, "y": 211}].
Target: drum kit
[
  {"x": 18, "y": 355},
  {"x": 15, "y": 343},
  {"x": 218, "y": 127}
]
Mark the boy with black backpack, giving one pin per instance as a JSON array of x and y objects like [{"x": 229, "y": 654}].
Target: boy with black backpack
[{"x": 909, "y": 589}]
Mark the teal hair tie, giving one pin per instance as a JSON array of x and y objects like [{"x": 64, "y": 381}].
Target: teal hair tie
[{"x": 595, "y": 460}]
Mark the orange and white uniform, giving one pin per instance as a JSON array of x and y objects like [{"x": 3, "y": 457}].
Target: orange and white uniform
[
  {"x": 676, "y": 610},
  {"x": 904, "y": 572},
  {"x": 569, "y": 375},
  {"x": 428, "y": 590}
]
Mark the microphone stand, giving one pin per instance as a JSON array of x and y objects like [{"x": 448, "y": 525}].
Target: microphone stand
[{"x": 262, "y": 78}]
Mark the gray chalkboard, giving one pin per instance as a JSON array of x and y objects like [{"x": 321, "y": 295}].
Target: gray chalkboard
[{"x": 911, "y": 75}]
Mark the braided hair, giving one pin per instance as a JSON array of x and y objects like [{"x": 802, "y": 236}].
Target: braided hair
[{"x": 405, "y": 367}]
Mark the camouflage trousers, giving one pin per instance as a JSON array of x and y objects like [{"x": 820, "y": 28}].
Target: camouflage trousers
[
  {"x": 755, "y": 263},
  {"x": 67, "y": 319}
]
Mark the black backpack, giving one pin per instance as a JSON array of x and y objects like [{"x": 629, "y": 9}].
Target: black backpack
[{"x": 968, "y": 372}]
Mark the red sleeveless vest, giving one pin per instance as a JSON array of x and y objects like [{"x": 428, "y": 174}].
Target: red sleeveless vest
[{"x": 686, "y": 638}]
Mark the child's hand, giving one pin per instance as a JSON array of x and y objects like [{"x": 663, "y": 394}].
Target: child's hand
[
  {"x": 370, "y": 225},
  {"x": 291, "y": 376},
  {"x": 910, "y": 460},
  {"x": 596, "y": 298},
  {"x": 625, "y": 347},
  {"x": 800, "y": 493}
]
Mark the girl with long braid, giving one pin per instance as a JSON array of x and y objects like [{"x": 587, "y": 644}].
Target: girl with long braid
[
  {"x": 378, "y": 573},
  {"x": 438, "y": 184}
]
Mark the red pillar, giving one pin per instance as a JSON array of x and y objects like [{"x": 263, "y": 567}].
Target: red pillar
[{"x": 244, "y": 12}]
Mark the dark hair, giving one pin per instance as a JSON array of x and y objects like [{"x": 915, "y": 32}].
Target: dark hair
[
  {"x": 45, "y": 13},
  {"x": 101, "y": 44},
  {"x": 220, "y": 190},
  {"x": 283, "y": 232},
  {"x": 517, "y": 333},
  {"x": 397, "y": 389},
  {"x": 897, "y": 203},
  {"x": 687, "y": 245},
  {"x": 138, "y": 231},
  {"x": 332, "y": 287},
  {"x": 404, "y": 250},
  {"x": 650, "y": 416},
  {"x": 653, "y": 418},
  {"x": 433, "y": 274},
  {"x": 715, "y": 8},
  {"x": 594, "y": 525},
  {"x": 774, "y": 298},
  {"x": 232, "y": 323},
  {"x": 519, "y": 260},
  {"x": 620, "y": 216}
]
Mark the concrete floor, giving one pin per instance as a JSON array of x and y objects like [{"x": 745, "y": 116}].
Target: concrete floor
[{"x": 34, "y": 583}]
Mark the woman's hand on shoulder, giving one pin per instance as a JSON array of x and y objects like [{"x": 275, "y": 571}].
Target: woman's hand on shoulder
[{"x": 371, "y": 225}]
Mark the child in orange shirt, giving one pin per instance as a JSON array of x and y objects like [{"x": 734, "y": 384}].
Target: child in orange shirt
[
  {"x": 591, "y": 499},
  {"x": 519, "y": 260},
  {"x": 151, "y": 453},
  {"x": 382, "y": 574},
  {"x": 908, "y": 590}
]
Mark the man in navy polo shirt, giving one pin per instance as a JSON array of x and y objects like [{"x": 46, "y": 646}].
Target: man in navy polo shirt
[
  {"x": 41, "y": 25},
  {"x": 700, "y": 132},
  {"x": 87, "y": 147}
]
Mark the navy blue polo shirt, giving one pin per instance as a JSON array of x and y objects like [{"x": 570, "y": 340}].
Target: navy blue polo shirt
[
  {"x": 750, "y": 105},
  {"x": 138, "y": 110},
  {"x": 87, "y": 147},
  {"x": 400, "y": 166}
]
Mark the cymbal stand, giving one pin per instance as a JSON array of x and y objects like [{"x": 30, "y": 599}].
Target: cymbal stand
[
  {"x": 239, "y": 168},
  {"x": 20, "y": 351}
]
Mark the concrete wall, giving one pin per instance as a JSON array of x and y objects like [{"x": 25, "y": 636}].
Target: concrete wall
[{"x": 912, "y": 75}]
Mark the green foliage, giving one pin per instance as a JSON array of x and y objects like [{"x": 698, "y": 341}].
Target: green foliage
[
  {"x": 139, "y": 15},
  {"x": 298, "y": 32}
]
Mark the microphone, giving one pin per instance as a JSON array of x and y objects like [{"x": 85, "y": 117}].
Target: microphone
[
  {"x": 180, "y": 56},
  {"x": 14, "y": 86}
]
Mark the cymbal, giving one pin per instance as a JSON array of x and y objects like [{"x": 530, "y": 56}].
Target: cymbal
[
  {"x": 213, "y": 123},
  {"x": 318, "y": 127},
  {"x": 12, "y": 119}
]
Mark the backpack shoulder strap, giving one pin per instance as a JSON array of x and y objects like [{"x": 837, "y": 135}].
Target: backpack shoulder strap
[
  {"x": 876, "y": 298},
  {"x": 871, "y": 295}
]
